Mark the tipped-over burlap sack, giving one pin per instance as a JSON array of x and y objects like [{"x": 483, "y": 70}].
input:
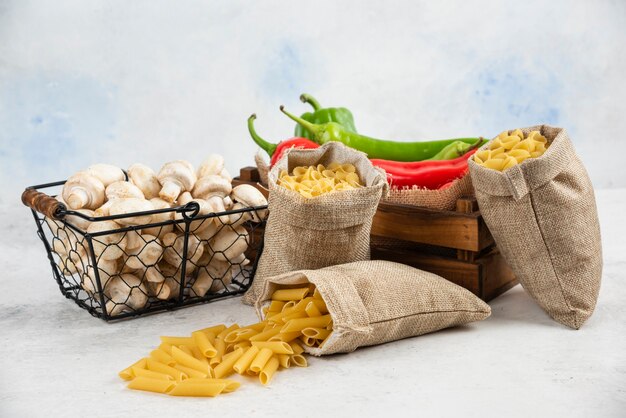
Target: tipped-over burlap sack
[
  {"x": 374, "y": 302},
  {"x": 333, "y": 228},
  {"x": 444, "y": 199},
  {"x": 542, "y": 215}
]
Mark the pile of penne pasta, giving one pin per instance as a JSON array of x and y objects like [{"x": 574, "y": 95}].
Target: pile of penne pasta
[{"x": 199, "y": 365}]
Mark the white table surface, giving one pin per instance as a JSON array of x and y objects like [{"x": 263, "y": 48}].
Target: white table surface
[{"x": 56, "y": 360}]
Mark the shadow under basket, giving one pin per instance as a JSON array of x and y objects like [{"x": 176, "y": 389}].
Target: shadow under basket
[{"x": 138, "y": 267}]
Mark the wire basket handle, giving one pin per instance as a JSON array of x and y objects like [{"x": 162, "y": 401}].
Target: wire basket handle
[{"x": 43, "y": 203}]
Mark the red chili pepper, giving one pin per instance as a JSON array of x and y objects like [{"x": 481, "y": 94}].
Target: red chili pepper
[
  {"x": 430, "y": 176},
  {"x": 276, "y": 151}
]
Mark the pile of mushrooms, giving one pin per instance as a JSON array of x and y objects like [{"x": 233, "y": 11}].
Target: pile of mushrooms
[{"x": 145, "y": 263}]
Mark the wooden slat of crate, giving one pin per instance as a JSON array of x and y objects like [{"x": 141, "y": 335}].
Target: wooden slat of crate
[
  {"x": 487, "y": 276},
  {"x": 462, "y": 231}
]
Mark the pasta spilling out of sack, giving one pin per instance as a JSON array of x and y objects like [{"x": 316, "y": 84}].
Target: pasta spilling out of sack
[
  {"x": 317, "y": 180},
  {"x": 511, "y": 148},
  {"x": 198, "y": 365}
]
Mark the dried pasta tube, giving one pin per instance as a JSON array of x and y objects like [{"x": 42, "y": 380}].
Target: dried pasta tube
[
  {"x": 220, "y": 346},
  {"x": 195, "y": 351},
  {"x": 257, "y": 327},
  {"x": 290, "y": 294},
  {"x": 151, "y": 385},
  {"x": 213, "y": 330},
  {"x": 244, "y": 345},
  {"x": 186, "y": 349},
  {"x": 286, "y": 336},
  {"x": 127, "y": 373},
  {"x": 166, "y": 347},
  {"x": 276, "y": 306},
  {"x": 226, "y": 331},
  {"x": 265, "y": 335},
  {"x": 299, "y": 360},
  {"x": 162, "y": 356},
  {"x": 240, "y": 335},
  {"x": 190, "y": 372},
  {"x": 284, "y": 360},
  {"x": 198, "y": 388},
  {"x": 156, "y": 366},
  {"x": 187, "y": 360},
  {"x": 277, "y": 347},
  {"x": 312, "y": 310},
  {"x": 225, "y": 368},
  {"x": 267, "y": 373},
  {"x": 139, "y": 372},
  {"x": 243, "y": 363},
  {"x": 317, "y": 333},
  {"x": 321, "y": 305},
  {"x": 300, "y": 323},
  {"x": 260, "y": 360},
  {"x": 202, "y": 341},
  {"x": 296, "y": 347}
]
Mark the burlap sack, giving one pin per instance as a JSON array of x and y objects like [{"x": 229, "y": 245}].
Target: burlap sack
[
  {"x": 374, "y": 302},
  {"x": 542, "y": 215},
  {"x": 435, "y": 199},
  {"x": 330, "y": 229}
]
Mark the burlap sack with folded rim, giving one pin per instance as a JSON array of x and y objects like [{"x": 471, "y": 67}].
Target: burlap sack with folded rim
[
  {"x": 374, "y": 302},
  {"x": 542, "y": 215},
  {"x": 330, "y": 229},
  {"x": 435, "y": 199}
]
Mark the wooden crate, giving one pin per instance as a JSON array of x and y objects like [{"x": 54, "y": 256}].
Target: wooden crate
[{"x": 455, "y": 244}]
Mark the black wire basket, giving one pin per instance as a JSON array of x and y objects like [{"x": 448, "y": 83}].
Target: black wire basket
[{"x": 127, "y": 265}]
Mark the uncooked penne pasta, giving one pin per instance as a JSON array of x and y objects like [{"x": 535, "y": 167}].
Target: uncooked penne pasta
[
  {"x": 297, "y": 348},
  {"x": 277, "y": 347},
  {"x": 204, "y": 345},
  {"x": 190, "y": 372},
  {"x": 299, "y": 360},
  {"x": 151, "y": 385},
  {"x": 140, "y": 372},
  {"x": 312, "y": 310},
  {"x": 290, "y": 294},
  {"x": 186, "y": 348},
  {"x": 286, "y": 336},
  {"x": 317, "y": 333},
  {"x": 162, "y": 356},
  {"x": 196, "y": 353},
  {"x": 284, "y": 360},
  {"x": 127, "y": 373},
  {"x": 190, "y": 361},
  {"x": 299, "y": 324},
  {"x": 166, "y": 347},
  {"x": 231, "y": 385},
  {"x": 276, "y": 306},
  {"x": 213, "y": 330},
  {"x": 243, "y": 363},
  {"x": 225, "y": 368},
  {"x": 244, "y": 345},
  {"x": 198, "y": 388},
  {"x": 260, "y": 359},
  {"x": 156, "y": 366},
  {"x": 265, "y": 335},
  {"x": 226, "y": 331},
  {"x": 267, "y": 373}
]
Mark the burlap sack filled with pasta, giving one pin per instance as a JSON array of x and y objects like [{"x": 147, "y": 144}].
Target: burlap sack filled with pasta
[
  {"x": 542, "y": 215},
  {"x": 310, "y": 233},
  {"x": 374, "y": 302}
]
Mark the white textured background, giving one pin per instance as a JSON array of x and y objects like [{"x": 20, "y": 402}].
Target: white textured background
[{"x": 119, "y": 81}]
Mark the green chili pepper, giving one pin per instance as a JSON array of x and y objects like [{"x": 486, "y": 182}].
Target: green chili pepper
[
  {"x": 375, "y": 148},
  {"x": 320, "y": 115},
  {"x": 455, "y": 150}
]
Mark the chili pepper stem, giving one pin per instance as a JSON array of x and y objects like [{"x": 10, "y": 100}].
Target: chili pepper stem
[
  {"x": 266, "y": 146},
  {"x": 307, "y": 98},
  {"x": 305, "y": 124}
]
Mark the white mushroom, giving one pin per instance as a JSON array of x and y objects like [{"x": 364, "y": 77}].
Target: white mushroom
[
  {"x": 239, "y": 218},
  {"x": 213, "y": 164},
  {"x": 229, "y": 244},
  {"x": 126, "y": 293},
  {"x": 159, "y": 231},
  {"x": 106, "y": 173},
  {"x": 145, "y": 255},
  {"x": 128, "y": 206},
  {"x": 169, "y": 287},
  {"x": 104, "y": 209},
  {"x": 174, "y": 246},
  {"x": 215, "y": 277},
  {"x": 176, "y": 177},
  {"x": 205, "y": 209},
  {"x": 79, "y": 222},
  {"x": 209, "y": 232},
  {"x": 213, "y": 188},
  {"x": 109, "y": 246},
  {"x": 250, "y": 196},
  {"x": 154, "y": 275},
  {"x": 122, "y": 190},
  {"x": 145, "y": 179},
  {"x": 226, "y": 175},
  {"x": 106, "y": 269},
  {"x": 82, "y": 190}
]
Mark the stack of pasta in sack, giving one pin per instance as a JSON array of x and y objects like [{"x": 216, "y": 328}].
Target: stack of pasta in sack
[{"x": 198, "y": 365}]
